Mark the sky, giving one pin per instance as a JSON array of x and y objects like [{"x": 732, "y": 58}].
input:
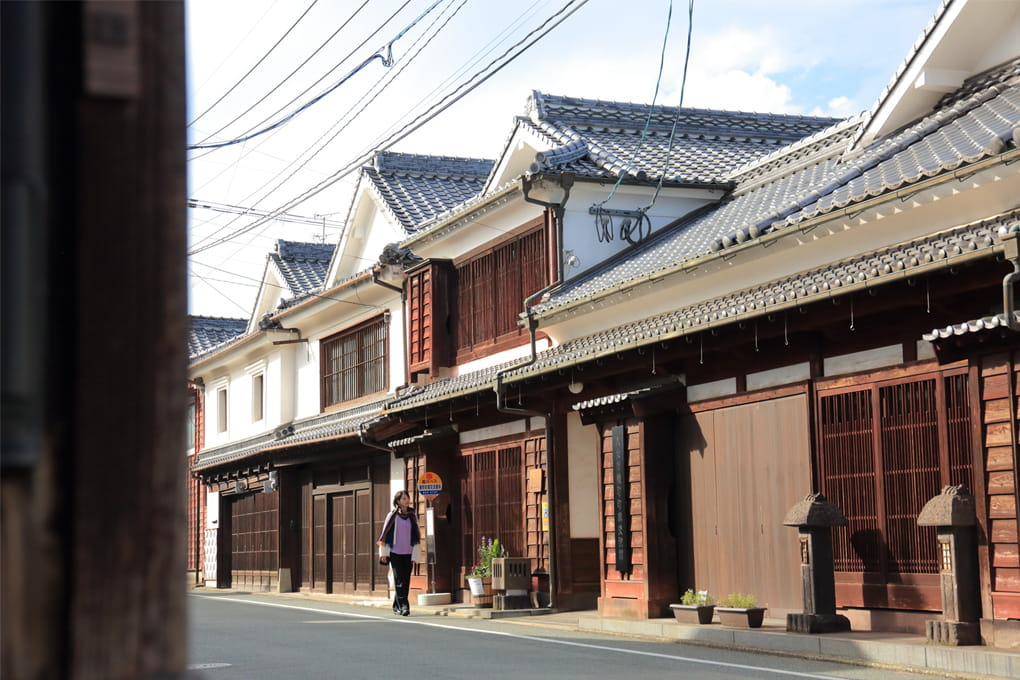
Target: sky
[{"x": 254, "y": 63}]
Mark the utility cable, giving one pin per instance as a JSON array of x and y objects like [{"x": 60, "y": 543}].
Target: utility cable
[
  {"x": 257, "y": 64},
  {"x": 259, "y": 282},
  {"x": 384, "y": 54},
  {"x": 476, "y": 80},
  {"x": 679, "y": 107},
  {"x": 350, "y": 115},
  {"x": 648, "y": 120},
  {"x": 296, "y": 69}
]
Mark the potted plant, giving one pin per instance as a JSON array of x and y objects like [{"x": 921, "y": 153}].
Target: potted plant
[
  {"x": 741, "y": 610},
  {"x": 695, "y": 607},
  {"x": 480, "y": 577}
]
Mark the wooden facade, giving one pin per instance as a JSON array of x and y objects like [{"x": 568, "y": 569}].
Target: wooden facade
[{"x": 1000, "y": 379}]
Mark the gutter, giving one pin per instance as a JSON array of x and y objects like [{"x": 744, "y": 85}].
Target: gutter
[{"x": 1011, "y": 250}]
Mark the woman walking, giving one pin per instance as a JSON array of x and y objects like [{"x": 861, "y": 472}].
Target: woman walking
[{"x": 399, "y": 545}]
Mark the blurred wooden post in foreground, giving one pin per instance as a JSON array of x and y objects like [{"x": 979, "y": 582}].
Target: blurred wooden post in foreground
[{"x": 94, "y": 323}]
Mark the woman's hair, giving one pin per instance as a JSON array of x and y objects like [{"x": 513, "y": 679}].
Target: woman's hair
[{"x": 396, "y": 497}]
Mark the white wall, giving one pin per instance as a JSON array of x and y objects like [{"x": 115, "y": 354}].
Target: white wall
[{"x": 583, "y": 477}]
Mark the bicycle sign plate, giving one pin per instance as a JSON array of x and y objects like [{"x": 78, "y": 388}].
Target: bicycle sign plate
[{"x": 430, "y": 485}]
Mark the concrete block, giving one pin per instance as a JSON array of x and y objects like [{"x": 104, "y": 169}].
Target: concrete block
[
  {"x": 284, "y": 583},
  {"x": 798, "y": 644},
  {"x": 426, "y": 599},
  {"x": 886, "y": 653}
]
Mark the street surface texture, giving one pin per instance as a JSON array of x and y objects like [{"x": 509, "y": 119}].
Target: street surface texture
[{"x": 252, "y": 637}]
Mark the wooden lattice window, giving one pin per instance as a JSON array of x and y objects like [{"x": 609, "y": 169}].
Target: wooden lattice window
[
  {"x": 254, "y": 536},
  {"x": 492, "y": 287},
  {"x": 353, "y": 363},
  {"x": 885, "y": 449},
  {"x": 428, "y": 337},
  {"x": 492, "y": 504}
]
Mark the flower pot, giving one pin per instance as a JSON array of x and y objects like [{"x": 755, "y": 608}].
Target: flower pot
[
  {"x": 751, "y": 617},
  {"x": 481, "y": 591},
  {"x": 693, "y": 613}
]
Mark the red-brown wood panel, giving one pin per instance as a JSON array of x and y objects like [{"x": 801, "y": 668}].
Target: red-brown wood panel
[{"x": 748, "y": 465}]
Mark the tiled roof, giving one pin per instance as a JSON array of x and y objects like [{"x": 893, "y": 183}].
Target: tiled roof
[
  {"x": 811, "y": 178},
  {"x": 599, "y": 139},
  {"x": 416, "y": 188},
  {"x": 840, "y": 278},
  {"x": 302, "y": 265},
  {"x": 334, "y": 425},
  {"x": 209, "y": 332},
  {"x": 967, "y": 327}
]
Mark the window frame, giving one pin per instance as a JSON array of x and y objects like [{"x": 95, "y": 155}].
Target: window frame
[
  {"x": 380, "y": 362},
  {"x": 486, "y": 270},
  {"x": 258, "y": 397}
]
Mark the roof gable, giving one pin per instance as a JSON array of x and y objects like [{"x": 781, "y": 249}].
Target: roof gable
[
  {"x": 416, "y": 188},
  {"x": 603, "y": 139},
  {"x": 943, "y": 57}
]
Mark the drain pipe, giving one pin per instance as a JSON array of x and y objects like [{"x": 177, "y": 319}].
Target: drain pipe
[
  {"x": 1012, "y": 253},
  {"x": 558, "y": 208}
]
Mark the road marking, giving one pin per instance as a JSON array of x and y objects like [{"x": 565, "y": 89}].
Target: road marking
[
  {"x": 205, "y": 666},
  {"x": 531, "y": 638}
]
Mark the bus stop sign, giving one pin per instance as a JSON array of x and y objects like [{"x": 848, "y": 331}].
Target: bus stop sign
[{"x": 430, "y": 485}]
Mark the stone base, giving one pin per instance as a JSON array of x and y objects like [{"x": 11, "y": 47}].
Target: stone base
[
  {"x": 425, "y": 599},
  {"x": 952, "y": 633},
  {"x": 504, "y": 602},
  {"x": 817, "y": 623}
]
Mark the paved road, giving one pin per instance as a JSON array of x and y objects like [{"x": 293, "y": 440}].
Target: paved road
[{"x": 253, "y": 637}]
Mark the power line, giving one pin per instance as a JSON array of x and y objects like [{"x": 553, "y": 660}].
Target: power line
[
  {"x": 240, "y": 210},
  {"x": 350, "y": 115},
  {"x": 384, "y": 54},
  {"x": 257, "y": 64},
  {"x": 477, "y": 79},
  {"x": 679, "y": 107}
]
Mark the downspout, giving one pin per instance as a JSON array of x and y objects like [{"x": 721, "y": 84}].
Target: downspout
[
  {"x": 1012, "y": 253},
  {"x": 558, "y": 208},
  {"x": 363, "y": 437}
]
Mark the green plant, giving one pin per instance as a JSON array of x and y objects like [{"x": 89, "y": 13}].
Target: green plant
[
  {"x": 739, "y": 601},
  {"x": 489, "y": 548},
  {"x": 699, "y": 598}
]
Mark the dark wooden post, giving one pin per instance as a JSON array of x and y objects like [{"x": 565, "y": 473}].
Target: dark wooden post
[
  {"x": 94, "y": 551},
  {"x": 814, "y": 518},
  {"x": 953, "y": 514}
]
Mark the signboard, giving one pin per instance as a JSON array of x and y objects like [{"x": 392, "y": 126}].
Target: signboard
[{"x": 429, "y": 485}]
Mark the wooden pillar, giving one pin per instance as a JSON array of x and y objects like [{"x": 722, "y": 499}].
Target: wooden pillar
[{"x": 94, "y": 549}]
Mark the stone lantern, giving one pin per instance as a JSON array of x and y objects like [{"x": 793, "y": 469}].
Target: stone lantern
[
  {"x": 814, "y": 518},
  {"x": 952, "y": 513}
]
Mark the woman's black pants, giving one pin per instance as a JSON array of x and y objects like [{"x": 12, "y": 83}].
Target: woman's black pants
[{"x": 401, "y": 566}]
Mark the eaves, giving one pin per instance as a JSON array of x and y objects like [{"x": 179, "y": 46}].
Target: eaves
[
  {"x": 548, "y": 317},
  {"x": 977, "y": 241}
]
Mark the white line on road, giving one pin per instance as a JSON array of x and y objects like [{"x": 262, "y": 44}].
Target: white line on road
[{"x": 567, "y": 643}]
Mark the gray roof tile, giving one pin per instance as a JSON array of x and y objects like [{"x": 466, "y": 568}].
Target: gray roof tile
[
  {"x": 302, "y": 265},
  {"x": 416, "y": 188},
  {"x": 333, "y": 425},
  {"x": 208, "y": 332},
  {"x": 604, "y": 139},
  {"x": 778, "y": 191},
  {"x": 968, "y": 327}
]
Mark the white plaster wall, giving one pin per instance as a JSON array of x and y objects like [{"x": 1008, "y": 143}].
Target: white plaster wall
[
  {"x": 580, "y": 237},
  {"x": 894, "y": 222},
  {"x": 862, "y": 361},
  {"x": 481, "y": 231},
  {"x": 583, "y": 477},
  {"x": 778, "y": 376}
]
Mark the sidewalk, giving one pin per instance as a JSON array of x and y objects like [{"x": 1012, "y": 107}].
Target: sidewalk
[{"x": 891, "y": 650}]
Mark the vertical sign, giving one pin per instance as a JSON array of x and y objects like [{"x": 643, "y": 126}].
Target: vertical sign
[{"x": 621, "y": 499}]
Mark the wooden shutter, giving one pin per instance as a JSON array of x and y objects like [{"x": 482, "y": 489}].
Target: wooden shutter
[{"x": 427, "y": 310}]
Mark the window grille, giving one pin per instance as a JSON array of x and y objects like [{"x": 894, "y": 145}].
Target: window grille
[
  {"x": 884, "y": 450},
  {"x": 354, "y": 363},
  {"x": 491, "y": 289},
  {"x": 493, "y": 500}
]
